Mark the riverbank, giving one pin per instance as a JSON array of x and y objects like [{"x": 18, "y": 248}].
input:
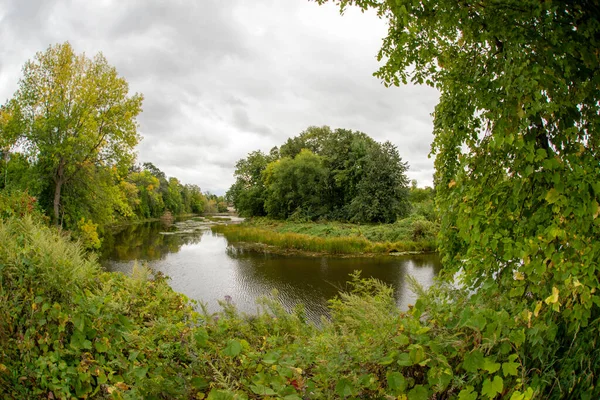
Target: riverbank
[{"x": 408, "y": 236}]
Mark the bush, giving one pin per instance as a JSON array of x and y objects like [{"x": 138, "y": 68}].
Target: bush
[
  {"x": 67, "y": 329},
  {"x": 18, "y": 204}
]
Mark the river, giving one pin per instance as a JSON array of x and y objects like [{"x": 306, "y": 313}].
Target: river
[{"x": 205, "y": 267}]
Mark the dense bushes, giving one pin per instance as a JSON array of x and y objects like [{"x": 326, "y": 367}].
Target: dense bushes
[{"x": 69, "y": 330}]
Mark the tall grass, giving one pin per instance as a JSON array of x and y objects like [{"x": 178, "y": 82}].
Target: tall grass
[
  {"x": 36, "y": 255},
  {"x": 413, "y": 228},
  {"x": 316, "y": 244}
]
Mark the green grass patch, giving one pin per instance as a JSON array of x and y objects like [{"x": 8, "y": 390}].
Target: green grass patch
[
  {"x": 217, "y": 219},
  {"x": 322, "y": 238}
]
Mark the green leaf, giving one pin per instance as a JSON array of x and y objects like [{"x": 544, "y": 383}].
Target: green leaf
[
  {"x": 419, "y": 392},
  {"x": 233, "y": 348},
  {"x": 467, "y": 394},
  {"x": 492, "y": 388},
  {"x": 79, "y": 322},
  {"x": 387, "y": 360},
  {"x": 220, "y": 395},
  {"x": 404, "y": 360},
  {"x": 517, "y": 337},
  {"x": 490, "y": 366},
  {"x": 101, "y": 347},
  {"x": 140, "y": 372},
  {"x": 552, "y": 196},
  {"x": 510, "y": 368},
  {"x": 396, "y": 381},
  {"x": 473, "y": 361},
  {"x": 201, "y": 337},
  {"x": 344, "y": 388},
  {"x": 262, "y": 390},
  {"x": 401, "y": 340},
  {"x": 271, "y": 357},
  {"x": 200, "y": 383}
]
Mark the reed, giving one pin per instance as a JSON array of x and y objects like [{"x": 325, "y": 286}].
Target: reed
[{"x": 316, "y": 244}]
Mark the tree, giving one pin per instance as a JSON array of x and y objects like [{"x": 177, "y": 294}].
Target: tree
[
  {"x": 295, "y": 186},
  {"x": 74, "y": 111},
  {"x": 248, "y": 192},
  {"x": 517, "y": 166},
  {"x": 382, "y": 192}
]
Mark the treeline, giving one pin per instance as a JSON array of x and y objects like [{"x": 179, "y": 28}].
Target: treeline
[
  {"x": 328, "y": 174},
  {"x": 103, "y": 195}
]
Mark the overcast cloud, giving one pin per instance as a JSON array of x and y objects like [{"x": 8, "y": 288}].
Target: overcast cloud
[{"x": 223, "y": 78}]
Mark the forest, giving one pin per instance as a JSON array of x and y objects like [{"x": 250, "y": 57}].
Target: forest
[{"x": 515, "y": 313}]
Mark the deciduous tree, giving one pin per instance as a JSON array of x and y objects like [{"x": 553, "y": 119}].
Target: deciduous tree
[
  {"x": 75, "y": 113},
  {"x": 517, "y": 166}
]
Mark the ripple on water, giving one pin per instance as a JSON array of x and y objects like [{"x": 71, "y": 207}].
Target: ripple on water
[{"x": 203, "y": 266}]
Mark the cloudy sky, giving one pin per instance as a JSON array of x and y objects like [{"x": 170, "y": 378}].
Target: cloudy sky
[{"x": 224, "y": 77}]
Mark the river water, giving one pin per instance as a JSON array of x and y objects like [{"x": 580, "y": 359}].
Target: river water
[{"x": 205, "y": 267}]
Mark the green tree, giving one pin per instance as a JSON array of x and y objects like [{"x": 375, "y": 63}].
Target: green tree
[
  {"x": 295, "y": 186},
  {"x": 172, "y": 198},
  {"x": 151, "y": 204},
  {"x": 248, "y": 192},
  {"x": 75, "y": 114},
  {"x": 382, "y": 192},
  {"x": 517, "y": 165}
]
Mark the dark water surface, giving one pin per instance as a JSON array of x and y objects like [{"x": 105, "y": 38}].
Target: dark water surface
[{"x": 205, "y": 267}]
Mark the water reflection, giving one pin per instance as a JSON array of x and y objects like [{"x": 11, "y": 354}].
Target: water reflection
[{"x": 205, "y": 267}]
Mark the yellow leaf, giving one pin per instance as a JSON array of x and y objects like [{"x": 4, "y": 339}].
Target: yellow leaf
[
  {"x": 121, "y": 385},
  {"x": 554, "y": 297},
  {"x": 538, "y": 307},
  {"x": 452, "y": 183}
]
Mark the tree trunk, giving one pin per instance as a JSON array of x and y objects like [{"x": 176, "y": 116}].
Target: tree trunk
[{"x": 59, "y": 180}]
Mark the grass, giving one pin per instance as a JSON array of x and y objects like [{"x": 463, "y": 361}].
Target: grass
[
  {"x": 217, "y": 219},
  {"x": 333, "y": 237},
  {"x": 414, "y": 228}
]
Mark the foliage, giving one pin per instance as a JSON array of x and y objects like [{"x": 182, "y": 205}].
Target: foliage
[
  {"x": 294, "y": 186},
  {"x": 516, "y": 144},
  {"x": 248, "y": 192},
  {"x": 382, "y": 192},
  {"x": 69, "y": 330},
  {"x": 284, "y": 239},
  {"x": 74, "y": 115},
  {"x": 422, "y": 201},
  {"x": 88, "y": 234},
  {"x": 322, "y": 173},
  {"x": 18, "y": 205},
  {"x": 401, "y": 230}
]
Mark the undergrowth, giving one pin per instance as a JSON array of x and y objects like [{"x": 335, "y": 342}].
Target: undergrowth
[
  {"x": 414, "y": 235},
  {"x": 69, "y": 330}
]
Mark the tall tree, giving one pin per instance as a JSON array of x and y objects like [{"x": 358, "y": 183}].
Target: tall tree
[
  {"x": 295, "y": 186},
  {"x": 517, "y": 141},
  {"x": 75, "y": 112},
  {"x": 382, "y": 193},
  {"x": 248, "y": 192}
]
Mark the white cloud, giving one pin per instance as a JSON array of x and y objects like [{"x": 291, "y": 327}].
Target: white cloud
[{"x": 221, "y": 79}]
